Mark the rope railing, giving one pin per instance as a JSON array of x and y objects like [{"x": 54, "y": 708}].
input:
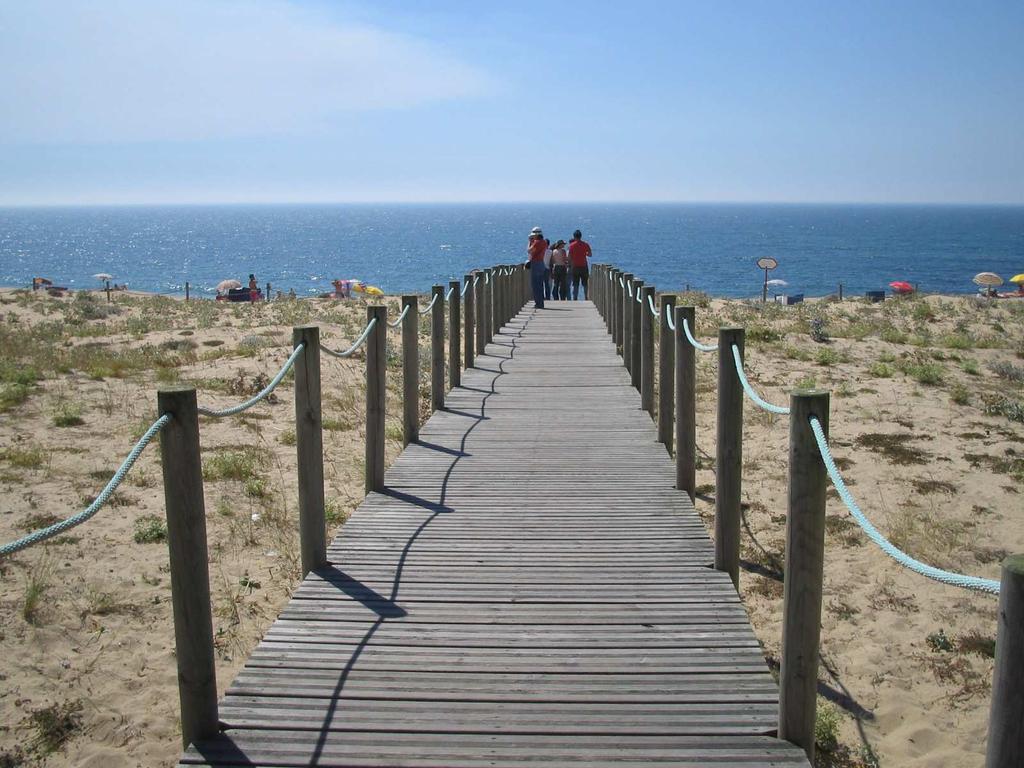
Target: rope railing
[
  {"x": 696, "y": 344},
  {"x": 650, "y": 303},
  {"x": 108, "y": 490},
  {"x": 429, "y": 306},
  {"x": 355, "y": 345},
  {"x": 756, "y": 398},
  {"x": 946, "y": 577},
  {"x": 400, "y": 318},
  {"x": 465, "y": 287},
  {"x": 278, "y": 378},
  {"x": 448, "y": 295}
]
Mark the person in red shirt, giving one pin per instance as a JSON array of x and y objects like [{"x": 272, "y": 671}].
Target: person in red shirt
[
  {"x": 535, "y": 249},
  {"x": 579, "y": 252}
]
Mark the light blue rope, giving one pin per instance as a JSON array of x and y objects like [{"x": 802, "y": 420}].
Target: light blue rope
[
  {"x": 668, "y": 317},
  {"x": 57, "y": 528},
  {"x": 946, "y": 577},
  {"x": 401, "y": 317},
  {"x": 465, "y": 287},
  {"x": 650, "y": 303},
  {"x": 758, "y": 401},
  {"x": 449, "y": 294},
  {"x": 621, "y": 283},
  {"x": 262, "y": 394},
  {"x": 694, "y": 342},
  {"x": 430, "y": 305},
  {"x": 356, "y": 344}
]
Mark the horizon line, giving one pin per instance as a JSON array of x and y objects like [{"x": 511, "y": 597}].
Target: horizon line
[{"x": 270, "y": 203}]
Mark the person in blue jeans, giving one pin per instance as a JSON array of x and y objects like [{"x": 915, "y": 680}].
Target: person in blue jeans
[{"x": 536, "y": 246}]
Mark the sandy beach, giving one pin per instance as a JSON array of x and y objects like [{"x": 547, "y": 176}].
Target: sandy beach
[{"x": 927, "y": 426}]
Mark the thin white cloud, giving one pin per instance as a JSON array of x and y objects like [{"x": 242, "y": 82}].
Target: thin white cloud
[{"x": 149, "y": 70}]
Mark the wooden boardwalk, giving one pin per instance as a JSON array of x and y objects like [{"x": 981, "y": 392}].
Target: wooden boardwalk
[{"x": 529, "y": 590}]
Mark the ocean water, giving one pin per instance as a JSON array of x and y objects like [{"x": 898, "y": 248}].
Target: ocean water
[{"x": 405, "y": 248}]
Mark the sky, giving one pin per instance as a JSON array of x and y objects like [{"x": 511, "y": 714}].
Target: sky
[{"x": 233, "y": 101}]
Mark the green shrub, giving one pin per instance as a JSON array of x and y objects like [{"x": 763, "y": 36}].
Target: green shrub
[
  {"x": 959, "y": 394},
  {"x": 880, "y": 370},
  {"x": 149, "y": 529},
  {"x": 826, "y": 727},
  {"x": 68, "y": 415},
  {"x": 827, "y": 357},
  {"x": 970, "y": 367}
]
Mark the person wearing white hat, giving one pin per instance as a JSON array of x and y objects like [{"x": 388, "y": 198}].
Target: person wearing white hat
[{"x": 535, "y": 251}]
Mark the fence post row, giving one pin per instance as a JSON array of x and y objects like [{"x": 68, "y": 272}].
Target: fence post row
[
  {"x": 309, "y": 449},
  {"x": 454, "y": 336},
  {"x": 666, "y": 371},
  {"x": 410, "y": 369},
  {"x": 468, "y": 317},
  {"x": 481, "y": 313},
  {"x": 729, "y": 456},
  {"x": 686, "y": 404},
  {"x": 805, "y": 551},
  {"x": 376, "y": 391},
  {"x": 489, "y": 300},
  {"x": 190, "y": 575},
  {"x": 635, "y": 331},
  {"x": 615, "y": 294},
  {"x": 627, "y": 323},
  {"x": 647, "y": 351},
  {"x": 437, "y": 349}
]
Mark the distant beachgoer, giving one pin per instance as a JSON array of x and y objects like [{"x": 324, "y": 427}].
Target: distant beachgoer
[
  {"x": 579, "y": 252},
  {"x": 254, "y": 288},
  {"x": 547, "y": 269},
  {"x": 560, "y": 271},
  {"x": 535, "y": 250}
]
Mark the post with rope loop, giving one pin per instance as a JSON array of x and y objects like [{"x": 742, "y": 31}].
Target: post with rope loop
[
  {"x": 647, "y": 350},
  {"x": 666, "y": 371},
  {"x": 626, "y": 321},
  {"x": 614, "y": 294},
  {"x": 437, "y": 349},
  {"x": 309, "y": 449},
  {"x": 805, "y": 553},
  {"x": 467, "y": 312},
  {"x": 1005, "y": 738},
  {"x": 376, "y": 391},
  {"x": 481, "y": 311},
  {"x": 595, "y": 289},
  {"x": 636, "y": 310},
  {"x": 488, "y": 317},
  {"x": 190, "y": 575},
  {"x": 499, "y": 298},
  {"x": 410, "y": 369},
  {"x": 454, "y": 336},
  {"x": 686, "y": 405},
  {"x": 729, "y": 456}
]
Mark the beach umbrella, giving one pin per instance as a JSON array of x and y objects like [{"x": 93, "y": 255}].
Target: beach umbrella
[
  {"x": 1018, "y": 279},
  {"x": 901, "y": 286},
  {"x": 987, "y": 279},
  {"x": 103, "y": 276},
  {"x": 778, "y": 282},
  {"x": 226, "y": 285}
]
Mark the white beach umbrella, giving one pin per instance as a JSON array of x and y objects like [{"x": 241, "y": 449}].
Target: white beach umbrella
[
  {"x": 987, "y": 278},
  {"x": 778, "y": 282},
  {"x": 103, "y": 276},
  {"x": 227, "y": 285}
]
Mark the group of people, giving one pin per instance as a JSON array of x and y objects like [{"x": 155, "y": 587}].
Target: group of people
[{"x": 552, "y": 267}]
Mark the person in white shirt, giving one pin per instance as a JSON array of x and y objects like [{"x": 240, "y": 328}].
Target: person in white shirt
[{"x": 547, "y": 269}]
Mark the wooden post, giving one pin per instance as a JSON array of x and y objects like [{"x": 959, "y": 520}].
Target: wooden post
[
  {"x": 186, "y": 290},
  {"x": 190, "y": 575},
  {"x": 840, "y": 291},
  {"x": 614, "y": 298},
  {"x": 266, "y": 296},
  {"x": 805, "y": 551},
  {"x": 410, "y": 369},
  {"x": 309, "y": 449},
  {"x": 495, "y": 302},
  {"x": 636, "y": 330},
  {"x": 627, "y": 321},
  {"x": 1005, "y": 735},
  {"x": 488, "y": 317},
  {"x": 481, "y": 313},
  {"x": 666, "y": 371},
  {"x": 468, "y": 312},
  {"x": 454, "y": 336},
  {"x": 647, "y": 351},
  {"x": 107, "y": 283},
  {"x": 376, "y": 391},
  {"x": 686, "y": 405},
  {"x": 437, "y": 350},
  {"x": 729, "y": 456}
]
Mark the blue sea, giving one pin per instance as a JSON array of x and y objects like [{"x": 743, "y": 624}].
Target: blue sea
[{"x": 406, "y": 248}]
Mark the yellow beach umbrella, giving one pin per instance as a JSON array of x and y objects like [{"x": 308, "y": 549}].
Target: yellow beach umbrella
[{"x": 1018, "y": 279}]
